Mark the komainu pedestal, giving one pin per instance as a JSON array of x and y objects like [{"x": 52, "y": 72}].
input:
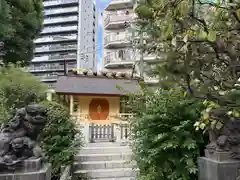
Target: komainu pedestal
[
  {"x": 218, "y": 166},
  {"x": 30, "y": 169}
]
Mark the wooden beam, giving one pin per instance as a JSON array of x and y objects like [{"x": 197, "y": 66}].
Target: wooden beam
[
  {"x": 71, "y": 105},
  {"x": 84, "y": 94}
]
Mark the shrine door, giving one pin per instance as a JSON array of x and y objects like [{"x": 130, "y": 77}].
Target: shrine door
[{"x": 99, "y": 109}]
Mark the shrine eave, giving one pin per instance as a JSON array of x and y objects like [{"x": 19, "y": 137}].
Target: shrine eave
[{"x": 85, "y": 85}]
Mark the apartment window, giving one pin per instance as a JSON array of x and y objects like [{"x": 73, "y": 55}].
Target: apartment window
[
  {"x": 86, "y": 60},
  {"x": 120, "y": 54}
]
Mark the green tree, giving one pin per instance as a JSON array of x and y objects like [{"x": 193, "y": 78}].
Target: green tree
[
  {"x": 60, "y": 138},
  {"x": 21, "y": 22},
  {"x": 17, "y": 89},
  {"x": 201, "y": 39},
  {"x": 165, "y": 143}
]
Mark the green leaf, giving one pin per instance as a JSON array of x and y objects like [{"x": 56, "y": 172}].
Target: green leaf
[
  {"x": 205, "y": 115},
  {"x": 119, "y": 87},
  {"x": 202, "y": 34},
  {"x": 219, "y": 125},
  {"x": 183, "y": 7},
  {"x": 185, "y": 47},
  {"x": 202, "y": 126},
  {"x": 212, "y": 35},
  {"x": 168, "y": 30},
  {"x": 213, "y": 123},
  {"x": 193, "y": 170},
  {"x": 174, "y": 41},
  {"x": 238, "y": 13},
  {"x": 185, "y": 39},
  {"x": 189, "y": 144},
  {"x": 190, "y": 163}
]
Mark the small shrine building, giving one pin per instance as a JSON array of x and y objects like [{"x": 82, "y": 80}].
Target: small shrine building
[{"x": 98, "y": 99}]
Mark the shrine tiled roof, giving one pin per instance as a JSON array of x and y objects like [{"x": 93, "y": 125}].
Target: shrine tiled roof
[{"x": 96, "y": 85}]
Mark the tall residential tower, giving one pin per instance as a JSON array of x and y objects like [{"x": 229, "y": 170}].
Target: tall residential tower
[
  {"x": 69, "y": 34},
  {"x": 119, "y": 53}
]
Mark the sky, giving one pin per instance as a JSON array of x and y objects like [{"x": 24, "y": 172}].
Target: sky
[{"x": 101, "y": 4}]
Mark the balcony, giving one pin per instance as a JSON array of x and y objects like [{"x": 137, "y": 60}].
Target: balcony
[
  {"x": 112, "y": 60},
  {"x": 60, "y": 20},
  {"x": 55, "y": 58},
  {"x": 59, "y": 3},
  {"x": 116, "y": 21},
  {"x": 115, "y": 40},
  {"x": 45, "y": 68},
  {"x": 119, "y": 4},
  {"x": 59, "y": 29},
  {"x": 48, "y": 67},
  {"x": 56, "y": 48},
  {"x": 56, "y": 38},
  {"x": 59, "y": 11}
]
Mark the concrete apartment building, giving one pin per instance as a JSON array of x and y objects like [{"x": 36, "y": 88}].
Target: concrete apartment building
[
  {"x": 69, "y": 33},
  {"x": 119, "y": 54}
]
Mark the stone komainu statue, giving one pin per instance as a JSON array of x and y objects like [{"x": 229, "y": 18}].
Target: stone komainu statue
[
  {"x": 228, "y": 138},
  {"x": 18, "y": 138}
]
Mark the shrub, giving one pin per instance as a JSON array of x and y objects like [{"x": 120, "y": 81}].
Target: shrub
[
  {"x": 18, "y": 89},
  {"x": 4, "y": 113},
  {"x": 165, "y": 143},
  {"x": 60, "y": 138}
]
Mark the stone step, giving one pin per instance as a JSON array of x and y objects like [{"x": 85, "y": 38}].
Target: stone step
[
  {"x": 105, "y": 150},
  {"x": 91, "y": 165},
  {"x": 119, "y": 178},
  {"x": 106, "y": 144},
  {"x": 106, "y": 173},
  {"x": 103, "y": 157},
  {"x": 101, "y": 140}
]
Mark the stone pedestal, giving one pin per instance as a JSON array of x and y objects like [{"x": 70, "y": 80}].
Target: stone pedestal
[
  {"x": 117, "y": 132},
  {"x": 218, "y": 166},
  {"x": 84, "y": 127},
  {"x": 32, "y": 169},
  {"x": 118, "y": 135}
]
